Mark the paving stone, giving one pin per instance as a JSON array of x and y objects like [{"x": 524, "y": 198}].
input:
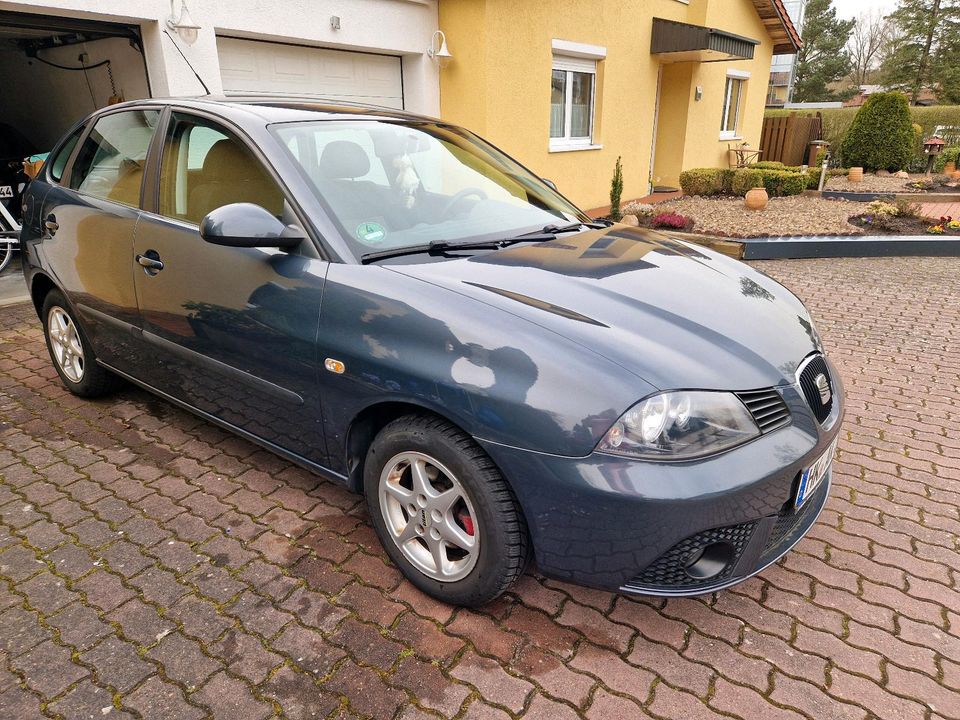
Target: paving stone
[
  {"x": 159, "y": 699},
  {"x": 48, "y": 669}
]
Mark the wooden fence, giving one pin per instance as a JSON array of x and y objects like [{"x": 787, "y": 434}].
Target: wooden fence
[{"x": 787, "y": 138}]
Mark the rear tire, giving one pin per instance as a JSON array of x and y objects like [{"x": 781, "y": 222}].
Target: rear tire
[
  {"x": 6, "y": 253},
  {"x": 72, "y": 355},
  {"x": 429, "y": 485}
]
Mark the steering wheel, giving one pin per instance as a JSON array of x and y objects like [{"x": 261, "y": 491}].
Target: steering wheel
[{"x": 459, "y": 197}]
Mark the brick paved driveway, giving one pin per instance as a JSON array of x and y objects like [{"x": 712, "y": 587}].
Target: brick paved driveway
[{"x": 155, "y": 566}]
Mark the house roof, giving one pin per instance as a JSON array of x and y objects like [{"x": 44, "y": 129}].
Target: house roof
[{"x": 779, "y": 26}]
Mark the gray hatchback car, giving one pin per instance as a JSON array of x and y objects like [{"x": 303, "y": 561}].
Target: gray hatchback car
[{"x": 397, "y": 305}]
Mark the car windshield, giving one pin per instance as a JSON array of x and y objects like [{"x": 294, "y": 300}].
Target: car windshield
[{"x": 391, "y": 185}]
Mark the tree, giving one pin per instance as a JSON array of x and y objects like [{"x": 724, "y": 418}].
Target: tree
[
  {"x": 881, "y": 136},
  {"x": 869, "y": 37},
  {"x": 927, "y": 51},
  {"x": 616, "y": 191},
  {"x": 823, "y": 59}
]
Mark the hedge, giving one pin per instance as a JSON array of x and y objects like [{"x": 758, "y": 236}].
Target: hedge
[
  {"x": 778, "y": 183},
  {"x": 706, "y": 181},
  {"x": 836, "y": 122}
]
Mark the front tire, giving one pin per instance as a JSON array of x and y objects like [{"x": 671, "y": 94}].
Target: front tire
[
  {"x": 443, "y": 512},
  {"x": 71, "y": 352}
]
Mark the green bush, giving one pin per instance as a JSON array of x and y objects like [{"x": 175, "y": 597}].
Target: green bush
[
  {"x": 778, "y": 183},
  {"x": 745, "y": 179},
  {"x": 881, "y": 136},
  {"x": 616, "y": 191},
  {"x": 706, "y": 181},
  {"x": 950, "y": 154},
  {"x": 768, "y": 165}
]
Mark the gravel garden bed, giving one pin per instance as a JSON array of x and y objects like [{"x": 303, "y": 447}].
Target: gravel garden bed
[
  {"x": 874, "y": 184},
  {"x": 787, "y": 216}
]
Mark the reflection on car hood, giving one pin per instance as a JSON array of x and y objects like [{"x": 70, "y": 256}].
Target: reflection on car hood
[{"x": 677, "y": 315}]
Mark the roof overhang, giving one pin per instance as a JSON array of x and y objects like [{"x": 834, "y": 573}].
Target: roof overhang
[
  {"x": 674, "y": 41},
  {"x": 779, "y": 26}
]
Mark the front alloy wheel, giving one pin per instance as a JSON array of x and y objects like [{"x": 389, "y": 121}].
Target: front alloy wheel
[
  {"x": 65, "y": 344},
  {"x": 429, "y": 516},
  {"x": 443, "y": 512}
]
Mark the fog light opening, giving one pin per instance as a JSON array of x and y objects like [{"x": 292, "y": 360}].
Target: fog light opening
[{"x": 710, "y": 560}]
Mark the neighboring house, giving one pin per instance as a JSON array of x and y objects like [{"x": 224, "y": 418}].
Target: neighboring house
[
  {"x": 568, "y": 86},
  {"x": 926, "y": 96},
  {"x": 783, "y": 68},
  {"x": 363, "y": 50}
]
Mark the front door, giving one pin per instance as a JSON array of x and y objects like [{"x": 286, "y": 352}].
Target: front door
[{"x": 231, "y": 331}]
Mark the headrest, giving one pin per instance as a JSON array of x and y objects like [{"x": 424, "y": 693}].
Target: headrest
[
  {"x": 228, "y": 160},
  {"x": 343, "y": 159}
]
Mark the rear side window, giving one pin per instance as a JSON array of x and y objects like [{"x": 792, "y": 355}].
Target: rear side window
[
  {"x": 111, "y": 160},
  {"x": 59, "y": 161}
]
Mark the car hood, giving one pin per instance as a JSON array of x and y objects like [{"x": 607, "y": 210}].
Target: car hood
[{"x": 675, "y": 314}]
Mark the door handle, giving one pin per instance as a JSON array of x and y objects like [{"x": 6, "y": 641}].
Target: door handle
[
  {"x": 51, "y": 224},
  {"x": 150, "y": 262}
]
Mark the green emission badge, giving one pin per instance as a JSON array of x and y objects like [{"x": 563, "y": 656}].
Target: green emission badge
[{"x": 371, "y": 233}]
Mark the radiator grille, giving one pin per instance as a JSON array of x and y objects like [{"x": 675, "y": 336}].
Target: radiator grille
[
  {"x": 767, "y": 408},
  {"x": 819, "y": 400}
]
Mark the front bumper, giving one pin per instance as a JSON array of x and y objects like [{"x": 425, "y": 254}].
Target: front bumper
[{"x": 639, "y": 527}]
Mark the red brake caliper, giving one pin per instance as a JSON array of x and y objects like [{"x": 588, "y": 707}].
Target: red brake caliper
[{"x": 464, "y": 517}]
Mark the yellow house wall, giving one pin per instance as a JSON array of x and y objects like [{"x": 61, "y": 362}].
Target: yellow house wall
[{"x": 498, "y": 84}]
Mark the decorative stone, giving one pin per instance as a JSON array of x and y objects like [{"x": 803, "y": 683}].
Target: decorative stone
[
  {"x": 902, "y": 174},
  {"x": 855, "y": 174},
  {"x": 882, "y": 173},
  {"x": 756, "y": 199},
  {"x": 639, "y": 208},
  {"x": 630, "y": 220}
]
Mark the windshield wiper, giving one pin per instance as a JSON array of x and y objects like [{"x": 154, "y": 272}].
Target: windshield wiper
[{"x": 441, "y": 247}]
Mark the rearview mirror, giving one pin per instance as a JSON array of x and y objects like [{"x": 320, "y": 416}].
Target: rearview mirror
[{"x": 247, "y": 225}]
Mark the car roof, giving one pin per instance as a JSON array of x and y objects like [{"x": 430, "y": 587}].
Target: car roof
[{"x": 285, "y": 108}]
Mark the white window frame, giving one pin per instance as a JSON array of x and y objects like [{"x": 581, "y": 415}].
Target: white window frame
[
  {"x": 571, "y": 57},
  {"x": 743, "y": 76}
]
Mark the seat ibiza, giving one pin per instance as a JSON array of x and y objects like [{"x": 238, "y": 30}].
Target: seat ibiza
[{"x": 392, "y": 302}]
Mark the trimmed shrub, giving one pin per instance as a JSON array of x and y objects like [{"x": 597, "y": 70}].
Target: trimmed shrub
[
  {"x": 616, "y": 191},
  {"x": 745, "y": 179},
  {"x": 768, "y": 165},
  {"x": 881, "y": 136},
  {"x": 950, "y": 154},
  {"x": 778, "y": 183},
  {"x": 706, "y": 181}
]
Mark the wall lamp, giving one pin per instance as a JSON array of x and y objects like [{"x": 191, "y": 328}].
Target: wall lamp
[
  {"x": 441, "y": 56},
  {"x": 186, "y": 28}
]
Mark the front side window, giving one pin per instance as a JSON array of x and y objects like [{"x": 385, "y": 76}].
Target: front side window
[
  {"x": 572, "y": 102},
  {"x": 732, "y": 100},
  {"x": 111, "y": 161},
  {"x": 204, "y": 166},
  {"x": 390, "y": 185}
]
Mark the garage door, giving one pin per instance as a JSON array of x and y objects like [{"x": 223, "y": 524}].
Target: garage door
[{"x": 251, "y": 66}]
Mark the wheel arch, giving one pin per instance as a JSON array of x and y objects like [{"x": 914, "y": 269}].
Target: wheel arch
[{"x": 40, "y": 287}]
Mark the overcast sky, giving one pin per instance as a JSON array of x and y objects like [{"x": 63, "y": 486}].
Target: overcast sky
[{"x": 853, "y": 8}]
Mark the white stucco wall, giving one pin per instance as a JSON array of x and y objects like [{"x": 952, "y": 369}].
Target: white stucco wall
[{"x": 396, "y": 27}]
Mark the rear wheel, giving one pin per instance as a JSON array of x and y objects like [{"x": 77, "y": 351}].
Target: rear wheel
[
  {"x": 6, "y": 253},
  {"x": 443, "y": 512},
  {"x": 73, "y": 357}
]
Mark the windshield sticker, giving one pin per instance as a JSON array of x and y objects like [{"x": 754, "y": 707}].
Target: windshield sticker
[{"x": 371, "y": 233}]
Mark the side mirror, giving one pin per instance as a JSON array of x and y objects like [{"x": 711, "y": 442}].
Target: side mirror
[
  {"x": 550, "y": 183},
  {"x": 247, "y": 225}
]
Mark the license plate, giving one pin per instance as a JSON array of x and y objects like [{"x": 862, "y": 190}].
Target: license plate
[
  {"x": 6, "y": 191},
  {"x": 811, "y": 478}
]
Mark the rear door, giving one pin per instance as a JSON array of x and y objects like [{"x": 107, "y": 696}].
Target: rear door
[
  {"x": 233, "y": 330},
  {"x": 88, "y": 220}
]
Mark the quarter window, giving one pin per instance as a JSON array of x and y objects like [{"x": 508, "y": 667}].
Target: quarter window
[
  {"x": 111, "y": 161},
  {"x": 204, "y": 166},
  {"x": 733, "y": 96},
  {"x": 572, "y": 102},
  {"x": 59, "y": 162}
]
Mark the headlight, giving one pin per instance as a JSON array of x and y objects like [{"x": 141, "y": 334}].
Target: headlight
[{"x": 680, "y": 425}]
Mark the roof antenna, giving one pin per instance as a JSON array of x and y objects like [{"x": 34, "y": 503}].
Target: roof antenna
[{"x": 192, "y": 68}]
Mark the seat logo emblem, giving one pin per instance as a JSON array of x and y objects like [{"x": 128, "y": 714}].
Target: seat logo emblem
[{"x": 823, "y": 386}]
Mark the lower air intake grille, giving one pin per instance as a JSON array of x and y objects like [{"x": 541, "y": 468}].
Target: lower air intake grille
[
  {"x": 670, "y": 569},
  {"x": 817, "y": 387},
  {"x": 767, "y": 408}
]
